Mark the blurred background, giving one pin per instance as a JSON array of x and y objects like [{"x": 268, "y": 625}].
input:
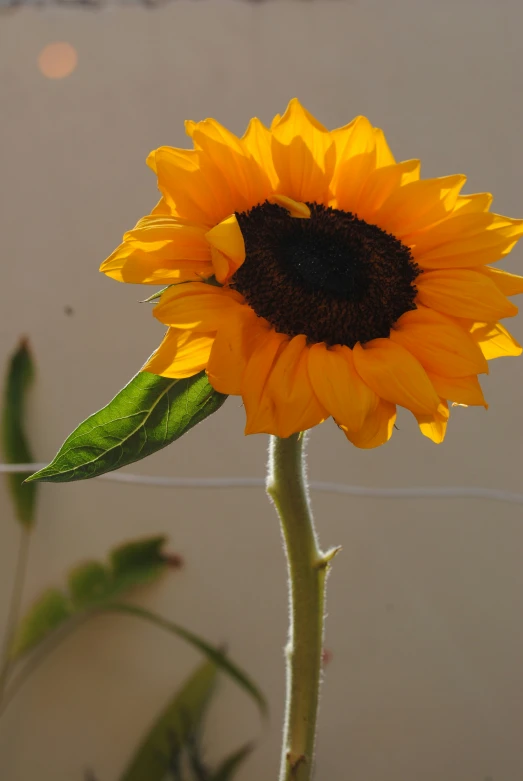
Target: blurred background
[{"x": 425, "y": 630}]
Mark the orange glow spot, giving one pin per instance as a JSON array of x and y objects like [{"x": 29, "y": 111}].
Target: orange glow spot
[{"x": 57, "y": 60}]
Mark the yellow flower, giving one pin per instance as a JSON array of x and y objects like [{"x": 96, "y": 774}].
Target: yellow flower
[{"x": 321, "y": 278}]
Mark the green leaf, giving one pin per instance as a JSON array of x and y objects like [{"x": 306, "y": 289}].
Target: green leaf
[
  {"x": 211, "y": 652},
  {"x": 15, "y": 444},
  {"x": 91, "y": 585},
  {"x": 45, "y": 615},
  {"x": 152, "y": 299},
  {"x": 177, "y": 723},
  {"x": 229, "y": 767},
  {"x": 148, "y": 414}
]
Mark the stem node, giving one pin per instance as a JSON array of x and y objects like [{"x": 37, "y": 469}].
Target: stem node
[
  {"x": 325, "y": 559},
  {"x": 295, "y": 762}
]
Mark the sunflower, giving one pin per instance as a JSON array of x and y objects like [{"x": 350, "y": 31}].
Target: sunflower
[{"x": 311, "y": 274}]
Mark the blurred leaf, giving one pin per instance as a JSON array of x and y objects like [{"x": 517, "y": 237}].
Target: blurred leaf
[
  {"x": 193, "y": 752},
  {"x": 227, "y": 770},
  {"x": 138, "y": 562},
  {"x": 178, "y": 722},
  {"x": 49, "y": 611},
  {"x": 90, "y": 585},
  {"x": 211, "y": 652},
  {"x": 15, "y": 444},
  {"x": 148, "y": 414}
]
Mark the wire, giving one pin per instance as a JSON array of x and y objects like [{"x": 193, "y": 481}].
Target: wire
[{"x": 422, "y": 492}]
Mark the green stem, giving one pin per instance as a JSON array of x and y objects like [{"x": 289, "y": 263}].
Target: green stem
[
  {"x": 307, "y": 566},
  {"x": 14, "y": 607}
]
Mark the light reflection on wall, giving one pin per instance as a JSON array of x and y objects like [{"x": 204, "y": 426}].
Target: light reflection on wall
[{"x": 57, "y": 60}]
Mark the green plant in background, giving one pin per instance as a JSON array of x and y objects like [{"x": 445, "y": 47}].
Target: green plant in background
[
  {"x": 172, "y": 748},
  {"x": 16, "y": 450},
  {"x": 15, "y": 444},
  {"x": 174, "y": 741},
  {"x": 93, "y": 588}
]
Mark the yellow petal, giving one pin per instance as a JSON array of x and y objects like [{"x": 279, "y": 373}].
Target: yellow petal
[
  {"x": 353, "y": 140},
  {"x": 465, "y": 240},
  {"x": 434, "y": 426},
  {"x": 494, "y": 340},
  {"x": 384, "y": 156},
  {"x": 184, "y": 187},
  {"x": 463, "y": 293},
  {"x": 227, "y": 239},
  {"x": 237, "y": 338},
  {"x": 135, "y": 266},
  {"x": 179, "y": 238},
  {"x": 354, "y": 168},
  {"x": 181, "y": 354},
  {"x": 395, "y": 375},
  {"x": 462, "y": 390},
  {"x": 161, "y": 207},
  {"x": 509, "y": 284},
  {"x": 296, "y": 407},
  {"x": 338, "y": 385},
  {"x": 245, "y": 178},
  {"x": 259, "y": 406},
  {"x": 303, "y": 155},
  {"x": 377, "y": 428},
  {"x": 382, "y": 182},
  {"x": 257, "y": 141},
  {"x": 341, "y": 136},
  {"x": 151, "y": 162},
  {"x": 161, "y": 250},
  {"x": 221, "y": 265},
  {"x": 439, "y": 343},
  {"x": 275, "y": 121},
  {"x": 295, "y": 208},
  {"x": 196, "y": 306},
  {"x": 419, "y": 204},
  {"x": 477, "y": 202},
  {"x": 459, "y": 226}
]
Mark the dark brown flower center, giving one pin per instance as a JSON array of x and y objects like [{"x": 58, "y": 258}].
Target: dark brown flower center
[{"x": 333, "y": 277}]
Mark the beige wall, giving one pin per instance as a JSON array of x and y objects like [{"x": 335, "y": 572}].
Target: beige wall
[{"x": 425, "y": 622}]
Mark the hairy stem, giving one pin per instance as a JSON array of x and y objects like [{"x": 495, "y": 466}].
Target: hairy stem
[{"x": 307, "y": 567}]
